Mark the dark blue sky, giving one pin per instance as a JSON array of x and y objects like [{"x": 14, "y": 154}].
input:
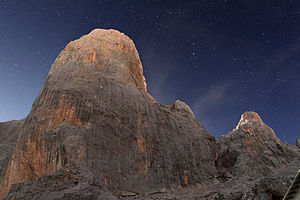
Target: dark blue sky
[{"x": 221, "y": 57}]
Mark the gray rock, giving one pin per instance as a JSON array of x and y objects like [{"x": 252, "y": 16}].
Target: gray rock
[
  {"x": 253, "y": 149},
  {"x": 94, "y": 132},
  {"x": 9, "y": 132},
  {"x": 94, "y": 108},
  {"x": 64, "y": 184}
]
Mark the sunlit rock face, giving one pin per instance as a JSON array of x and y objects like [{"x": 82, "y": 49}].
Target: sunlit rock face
[
  {"x": 101, "y": 53},
  {"x": 249, "y": 118},
  {"x": 253, "y": 149},
  {"x": 94, "y": 112}
]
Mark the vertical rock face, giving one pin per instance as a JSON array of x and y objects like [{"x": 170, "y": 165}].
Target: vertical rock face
[
  {"x": 94, "y": 112},
  {"x": 94, "y": 127},
  {"x": 253, "y": 149},
  {"x": 9, "y": 132}
]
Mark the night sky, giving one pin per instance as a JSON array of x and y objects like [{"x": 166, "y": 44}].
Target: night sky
[{"x": 220, "y": 57}]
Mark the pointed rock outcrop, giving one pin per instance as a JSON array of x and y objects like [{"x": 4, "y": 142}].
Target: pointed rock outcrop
[
  {"x": 183, "y": 107},
  {"x": 249, "y": 118},
  {"x": 253, "y": 149},
  {"x": 94, "y": 112}
]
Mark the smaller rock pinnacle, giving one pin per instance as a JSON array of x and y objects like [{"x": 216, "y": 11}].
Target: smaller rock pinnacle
[{"x": 249, "y": 117}]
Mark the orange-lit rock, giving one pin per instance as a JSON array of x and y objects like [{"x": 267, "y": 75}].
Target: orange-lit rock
[
  {"x": 94, "y": 112},
  {"x": 94, "y": 132}
]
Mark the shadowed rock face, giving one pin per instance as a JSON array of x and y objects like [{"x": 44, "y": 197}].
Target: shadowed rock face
[
  {"x": 252, "y": 165},
  {"x": 70, "y": 183},
  {"x": 9, "y": 132},
  {"x": 298, "y": 142},
  {"x": 94, "y": 111},
  {"x": 253, "y": 149}
]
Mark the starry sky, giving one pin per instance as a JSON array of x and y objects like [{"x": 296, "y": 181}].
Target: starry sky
[{"x": 221, "y": 57}]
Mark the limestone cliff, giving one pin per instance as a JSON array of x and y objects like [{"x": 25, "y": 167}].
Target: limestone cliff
[
  {"x": 94, "y": 112},
  {"x": 94, "y": 132}
]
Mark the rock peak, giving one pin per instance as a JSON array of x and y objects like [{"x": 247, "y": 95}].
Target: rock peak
[
  {"x": 108, "y": 53},
  {"x": 249, "y": 117},
  {"x": 94, "y": 108},
  {"x": 180, "y": 105}
]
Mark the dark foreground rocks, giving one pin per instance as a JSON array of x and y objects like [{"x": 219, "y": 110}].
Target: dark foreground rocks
[
  {"x": 94, "y": 132},
  {"x": 66, "y": 183}
]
